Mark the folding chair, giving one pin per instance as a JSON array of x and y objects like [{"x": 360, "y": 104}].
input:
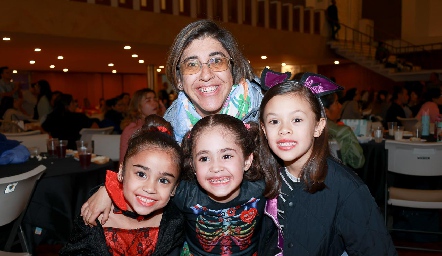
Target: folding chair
[
  {"x": 15, "y": 192},
  {"x": 37, "y": 140},
  {"x": 107, "y": 145},
  {"x": 86, "y": 133},
  {"x": 415, "y": 160}
]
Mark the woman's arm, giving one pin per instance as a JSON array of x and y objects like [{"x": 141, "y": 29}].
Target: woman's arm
[{"x": 98, "y": 203}]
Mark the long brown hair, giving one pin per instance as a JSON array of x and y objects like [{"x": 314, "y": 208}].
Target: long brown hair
[{"x": 314, "y": 171}]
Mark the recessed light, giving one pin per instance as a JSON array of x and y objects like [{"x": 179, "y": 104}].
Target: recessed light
[
  {"x": 32, "y": 61},
  {"x": 158, "y": 70},
  {"x": 14, "y": 71},
  {"x": 161, "y": 66},
  {"x": 37, "y": 49},
  {"x": 127, "y": 47},
  {"x": 134, "y": 55},
  {"x": 263, "y": 57},
  {"x": 114, "y": 71},
  {"x": 110, "y": 64},
  {"x": 140, "y": 61},
  {"x": 6, "y": 38},
  {"x": 336, "y": 62},
  {"x": 283, "y": 64},
  {"x": 60, "y": 57},
  {"x": 65, "y": 70},
  {"x": 52, "y": 66}
]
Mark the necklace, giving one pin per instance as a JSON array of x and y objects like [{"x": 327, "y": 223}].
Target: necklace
[{"x": 291, "y": 176}]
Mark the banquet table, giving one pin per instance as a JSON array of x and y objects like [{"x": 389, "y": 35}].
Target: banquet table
[{"x": 57, "y": 197}]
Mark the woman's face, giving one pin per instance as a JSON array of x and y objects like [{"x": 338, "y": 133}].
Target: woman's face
[
  {"x": 334, "y": 110},
  {"x": 149, "y": 105},
  {"x": 208, "y": 90}
]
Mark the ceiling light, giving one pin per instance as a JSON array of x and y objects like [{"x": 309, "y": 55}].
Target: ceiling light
[
  {"x": 127, "y": 47},
  {"x": 37, "y": 49},
  {"x": 140, "y": 61},
  {"x": 60, "y": 57},
  {"x": 114, "y": 71},
  {"x": 283, "y": 64},
  {"x": 110, "y": 64},
  {"x": 336, "y": 62},
  {"x": 268, "y": 67},
  {"x": 14, "y": 71},
  {"x": 6, "y": 39},
  {"x": 52, "y": 66},
  {"x": 65, "y": 70},
  {"x": 263, "y": 57},
  {"x": 161, "y": 66},
  {"x": 134, "y": 55},
  {"x": 158, "y": 70},
  {"x": 32, "y": 61}
]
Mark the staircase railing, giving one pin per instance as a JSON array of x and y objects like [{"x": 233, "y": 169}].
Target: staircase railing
[{"x": 428, "y": 56}]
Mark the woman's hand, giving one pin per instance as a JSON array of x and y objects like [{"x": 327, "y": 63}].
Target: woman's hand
[{"x": 98, "y": 203}]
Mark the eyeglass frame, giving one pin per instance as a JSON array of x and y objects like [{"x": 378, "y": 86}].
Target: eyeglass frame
[{"x": 229, "y": 61}]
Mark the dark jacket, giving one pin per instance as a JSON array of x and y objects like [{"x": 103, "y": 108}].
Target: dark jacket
[
  {"x": 91, "y": 241},
  {"x": 342, "y": 217}
]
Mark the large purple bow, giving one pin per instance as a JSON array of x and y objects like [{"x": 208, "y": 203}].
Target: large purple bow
[{"x": 319, "y": 85}]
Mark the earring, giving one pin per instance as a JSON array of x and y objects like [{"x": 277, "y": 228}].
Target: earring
[
  {"x": 180, "y": 87},
  {"x": 120, "y": 177}
]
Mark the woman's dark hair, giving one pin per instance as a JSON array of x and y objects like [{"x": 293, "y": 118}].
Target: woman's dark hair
[
  {"x": 432, "y": 93},
  {"x": 328, "y": 99},
  {"x": 45, "y": 90},
  {"x": 156, "y": 133},
  {"x": 240, "y": 66},
  {"x": 349, "y": 95},
  {"x": 246, "y": 138},
  {"x": 62, "y": 103},
  {"x": 314, "y": 171},
  {"x": 380, "y": 93},
  {"x": 5, "y": 104}
]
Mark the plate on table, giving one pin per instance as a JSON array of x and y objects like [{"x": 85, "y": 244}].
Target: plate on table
[
  {"x": 70, "y": 152},
  {"x": 364, "y": 139},
  {"x": 412, "y": 139},
  {"x": 407, "y": 134}
]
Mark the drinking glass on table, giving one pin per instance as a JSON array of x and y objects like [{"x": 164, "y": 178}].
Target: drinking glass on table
[
  {"x": 52, "y": 147},
  {"x": 85, "y": 156},
  {"x": 378, "y": 135},
  {"x": 391, "y": 128},
  {"x": 61, "y": 148},
  {"x": 399, "y": 133}
]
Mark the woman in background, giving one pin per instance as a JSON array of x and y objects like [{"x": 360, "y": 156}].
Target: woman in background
[{"x": 44, "y": 92}]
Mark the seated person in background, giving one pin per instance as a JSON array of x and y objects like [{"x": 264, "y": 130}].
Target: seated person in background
[
  {"x": 114, "y": 114},
  {"x": 381, "y": 105},
  {"x": 430, "y": 105},
  {"x": 415, "y": 101},
  {"x": 64, "y": 123},
  {"x": 396, "y": 109},
  {"x": 351, "y": 152},
  {"x": 11, "y": 110},
  {"x": 350, "y": 106}
]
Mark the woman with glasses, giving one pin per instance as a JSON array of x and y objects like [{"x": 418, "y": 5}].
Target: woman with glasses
[{"x": 211, "y": 76}]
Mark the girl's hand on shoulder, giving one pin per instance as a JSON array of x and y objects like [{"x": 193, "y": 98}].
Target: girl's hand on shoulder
[{"x": 97, "y": 204}]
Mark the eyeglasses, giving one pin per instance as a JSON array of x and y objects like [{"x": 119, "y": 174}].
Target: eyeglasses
[{"x": 193, "y": 66}]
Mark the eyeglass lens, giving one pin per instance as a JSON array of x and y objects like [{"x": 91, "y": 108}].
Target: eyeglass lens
[{"x": 193, "y": 66}]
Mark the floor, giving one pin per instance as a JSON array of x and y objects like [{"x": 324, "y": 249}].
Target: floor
[{"x": 52, "y": 250}]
